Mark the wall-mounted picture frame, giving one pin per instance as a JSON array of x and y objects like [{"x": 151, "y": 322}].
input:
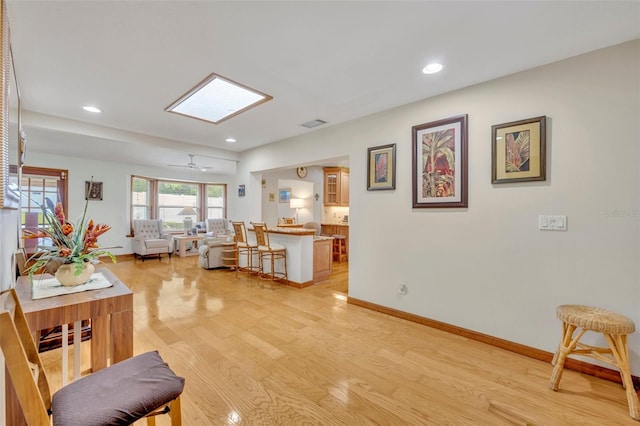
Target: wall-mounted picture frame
[
  {"x": 440, "y": 163},
  {"x": 381, "y": 166},
  {"x": 272, "y": 197},
  {"x": 518, "y": 151},
  {"x": 92, "y": 190},
  {"x": 241, "y": 190},
  {"x": 284, "y": 195}
]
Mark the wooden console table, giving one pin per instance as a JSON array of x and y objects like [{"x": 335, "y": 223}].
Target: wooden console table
[{"x": 110, "y": 311}]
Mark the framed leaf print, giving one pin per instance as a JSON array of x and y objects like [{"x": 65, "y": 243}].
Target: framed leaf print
[
  {"x": 440, "y": 163},
  {"x": 381, "y": 166},
  {"x": 518, "y": 151}
]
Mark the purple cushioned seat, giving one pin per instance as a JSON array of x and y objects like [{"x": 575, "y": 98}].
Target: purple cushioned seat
[{"x": 117, "y": 395}]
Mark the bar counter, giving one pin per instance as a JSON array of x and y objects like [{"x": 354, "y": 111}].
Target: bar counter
[{"x": 299, "y": 244}]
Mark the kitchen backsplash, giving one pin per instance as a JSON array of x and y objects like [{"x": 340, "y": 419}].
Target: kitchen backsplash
[{"x": 331, "y": 214}]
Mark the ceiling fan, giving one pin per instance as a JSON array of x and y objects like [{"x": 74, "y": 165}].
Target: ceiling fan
[{"x": 192, "y": 165}]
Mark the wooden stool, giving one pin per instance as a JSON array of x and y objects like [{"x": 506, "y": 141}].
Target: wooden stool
[
  {"x": 269, "y": 253},
  {"x": 244, "y": 248},
  {"x": 340, "y": 247},
  {"x": 614, "y": 327}
]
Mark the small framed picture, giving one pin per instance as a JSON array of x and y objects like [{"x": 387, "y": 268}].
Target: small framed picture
[
  {"x": 241, "y": 190},
  {"x": 518, "y": 151},
  {"x": 284, "y": 195},
  {"x": 92, "y": 190},
  {"x": 272, "y": 197},
  {"x": 381, "y": 166}
]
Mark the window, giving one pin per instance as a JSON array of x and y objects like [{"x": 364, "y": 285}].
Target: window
[
  {"x": 141, "y": 202},
  {"x": 40, "y": 189},
  {"x": 164, "y": 199},
  {"x": 172, "y": 198},
  {"x": 216, "y": 201}
]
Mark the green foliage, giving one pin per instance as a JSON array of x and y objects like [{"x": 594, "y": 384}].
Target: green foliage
[
  {"x": 178, "y": 188},
  {"x": 215, "y": 191},
  {"x": 139, "y": 185}
]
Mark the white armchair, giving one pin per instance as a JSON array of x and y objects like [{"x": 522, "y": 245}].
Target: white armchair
[
  {"x": 217, "y": 228},
  {"x": 150, "y": 240},
  {"x": 211, "y": 249}
]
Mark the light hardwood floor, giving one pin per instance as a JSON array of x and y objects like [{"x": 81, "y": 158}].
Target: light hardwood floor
[{"x": 284, "y": 356}]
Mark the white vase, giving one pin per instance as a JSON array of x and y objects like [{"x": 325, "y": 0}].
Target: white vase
[{"x": 66, "y": 274}]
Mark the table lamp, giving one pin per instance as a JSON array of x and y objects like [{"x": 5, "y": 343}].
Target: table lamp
[
  {"x": 188, "y": 222},
  {"x": 296, "y": 203}
]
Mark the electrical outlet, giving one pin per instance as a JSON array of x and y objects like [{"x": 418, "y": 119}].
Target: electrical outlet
[{"x": 402, "y": 288}]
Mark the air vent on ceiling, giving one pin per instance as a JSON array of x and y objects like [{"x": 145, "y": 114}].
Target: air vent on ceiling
[{"x": 313, "y": 123}]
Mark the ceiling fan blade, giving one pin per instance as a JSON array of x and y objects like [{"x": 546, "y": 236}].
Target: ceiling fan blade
[{"x": 191, "y": 164}]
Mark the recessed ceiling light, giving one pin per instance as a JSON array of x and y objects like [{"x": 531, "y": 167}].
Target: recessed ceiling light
[
  {"x": 230, "y": 140},
  {"x": 216, "y": 99},
  {"x": 91, "y": 109},
  {"x": 432, "y": 68}
]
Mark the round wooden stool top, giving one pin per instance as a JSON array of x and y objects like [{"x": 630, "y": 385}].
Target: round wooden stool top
[{"x": 596, "y": 319}]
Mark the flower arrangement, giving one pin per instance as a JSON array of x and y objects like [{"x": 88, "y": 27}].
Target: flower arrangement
[{"x": 72, "y": 244}]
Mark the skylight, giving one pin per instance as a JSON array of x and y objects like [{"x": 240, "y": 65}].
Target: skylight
[{"x": 216, "y": 99}]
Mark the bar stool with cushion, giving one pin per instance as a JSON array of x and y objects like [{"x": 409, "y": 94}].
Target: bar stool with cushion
[
  {"x": 271, "y": 253},
  {"x": 245, "y": 248},
  {"x": 613, "y": 326},
  {"x": 340, "y": 247},
  {"x": 142, "y": 386}
]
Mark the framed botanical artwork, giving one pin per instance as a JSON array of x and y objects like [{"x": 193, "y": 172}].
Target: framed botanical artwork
[
  {"x": 518, "y": 151},
  {"x": 92, "y": 190},
  {"x": 284, "y": 195},
  {"x": 241, "y": 190},
  {"x": 440, "y": 163},
  {"x": 381, "y": 166}
]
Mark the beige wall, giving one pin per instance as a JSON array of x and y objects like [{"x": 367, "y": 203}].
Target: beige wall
[{"x": 488, "y": 267}]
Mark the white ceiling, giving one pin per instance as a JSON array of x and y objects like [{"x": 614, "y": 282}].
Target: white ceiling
[{"x": 331, "y": 60}]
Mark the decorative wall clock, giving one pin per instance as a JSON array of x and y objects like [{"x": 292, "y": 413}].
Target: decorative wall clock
[{"x": 301, "y": 172}]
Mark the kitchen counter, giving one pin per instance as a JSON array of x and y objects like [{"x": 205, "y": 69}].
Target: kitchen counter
[
  {"x": 299, "y": 244},
  {"x": 292, "y": 231}
]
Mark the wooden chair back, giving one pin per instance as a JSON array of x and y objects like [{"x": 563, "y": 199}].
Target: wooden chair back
[
  {"x": 241, "y": 232},
  {"x": 22, "y": 361},
  {"x": 262, "y": 233}
]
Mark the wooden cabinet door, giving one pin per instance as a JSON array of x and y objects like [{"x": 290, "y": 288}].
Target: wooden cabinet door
[
  {"x": 328, "y": 230},
  {"x": 322, "y": 260},
  {"x": 344, "y": 188},
  {"x": 331, "y": 188},
  {"x": 336, "y": 186}
]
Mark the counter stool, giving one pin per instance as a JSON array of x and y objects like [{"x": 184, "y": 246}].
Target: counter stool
[
  {"x": 244, "y": 248},
  {"x": 614, "y": 327},
  {"x": 270, "y": 253},
  {"x": 340, "y": 247}
]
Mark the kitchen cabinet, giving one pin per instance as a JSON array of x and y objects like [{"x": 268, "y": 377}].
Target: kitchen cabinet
[
  {"x": 336, "y": 229},
  {"x": 336, "y": 186},
  {"x": 322, "y": 258}
]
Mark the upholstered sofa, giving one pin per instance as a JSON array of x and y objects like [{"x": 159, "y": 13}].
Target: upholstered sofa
[
  {"x": 211, "y": 249},
  {"x": 149, "y": 239}
]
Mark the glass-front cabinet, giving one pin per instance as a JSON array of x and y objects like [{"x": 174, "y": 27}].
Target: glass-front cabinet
[{"x": 336, "y": 186}]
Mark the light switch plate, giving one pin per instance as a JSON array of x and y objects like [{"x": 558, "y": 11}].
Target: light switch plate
[{"x": 552, "y": 222}]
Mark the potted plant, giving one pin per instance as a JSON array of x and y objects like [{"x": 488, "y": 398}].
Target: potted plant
[{"x": 75, "y": 246}]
